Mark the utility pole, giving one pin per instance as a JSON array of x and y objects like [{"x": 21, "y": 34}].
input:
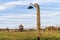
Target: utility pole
[{"x": 38, "y": 20}]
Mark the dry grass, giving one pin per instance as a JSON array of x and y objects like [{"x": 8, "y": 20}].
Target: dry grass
[{"x": 24, "y": 35}]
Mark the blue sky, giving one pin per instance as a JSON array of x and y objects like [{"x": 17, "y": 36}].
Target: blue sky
[{"x": 15, "y": 12}]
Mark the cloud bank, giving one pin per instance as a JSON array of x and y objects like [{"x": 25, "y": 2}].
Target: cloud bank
[{"x": 10, "y": 4}]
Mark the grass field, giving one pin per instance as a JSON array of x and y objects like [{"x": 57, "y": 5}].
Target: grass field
[{"x": 28, "y": 36}]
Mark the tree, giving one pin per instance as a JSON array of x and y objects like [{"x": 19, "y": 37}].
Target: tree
[
  {"x": 7, "y": 29},
  {"x": 21, "y": 28}
]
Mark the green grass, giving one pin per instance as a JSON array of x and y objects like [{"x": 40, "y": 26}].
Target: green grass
[
  {"x": 17, "y": 35},
  {"x": 28, "y": 36}
]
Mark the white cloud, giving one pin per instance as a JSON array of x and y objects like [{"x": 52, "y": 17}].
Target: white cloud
[
  {"x": 9, "y": 20},
  {"x": 49, "y": 13},
  {"x": 18, "y": 16},
  {"x": 47, "y": 1},
  {"x": 43, "y": 14},
  {"x": 14, "y": 3}
]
